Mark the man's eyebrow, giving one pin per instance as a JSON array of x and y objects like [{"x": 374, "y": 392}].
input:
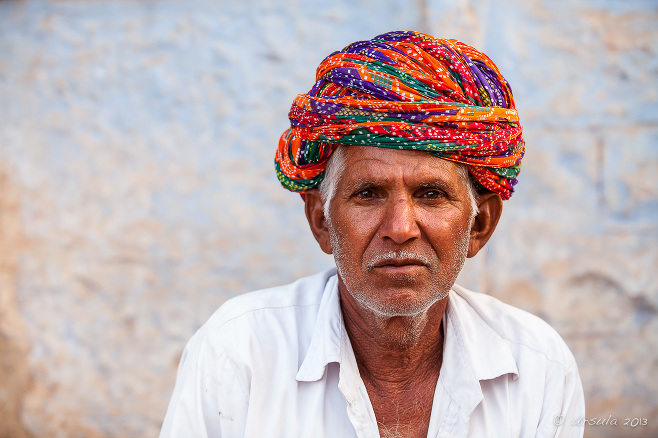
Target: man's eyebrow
[
  {"x": 439, "y": 184},
  {"x": 435, "y": 184},
  {"x": 361, "y": 183}
]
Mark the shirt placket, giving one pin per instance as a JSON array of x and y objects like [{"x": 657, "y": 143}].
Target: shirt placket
[{"x": 359, "y": 409}]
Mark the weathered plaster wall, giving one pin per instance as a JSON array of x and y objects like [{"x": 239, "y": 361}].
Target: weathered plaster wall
[{"x": 137, "y": 190}]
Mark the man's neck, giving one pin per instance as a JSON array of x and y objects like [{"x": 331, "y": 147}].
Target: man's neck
[
  {"x": 399, "y": 360},
  {"x": 403, "y": 345}
]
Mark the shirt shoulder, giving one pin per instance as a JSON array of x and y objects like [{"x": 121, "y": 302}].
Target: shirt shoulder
[
  {"x": 500, "y": 341},
  {"x": 524, "y": 332},
  {"x": 305, "y": 292},
  {"x": 263, "y": 323}
]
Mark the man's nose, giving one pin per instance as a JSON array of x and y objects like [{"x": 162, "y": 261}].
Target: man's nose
[{"x": 400, "y": 221}]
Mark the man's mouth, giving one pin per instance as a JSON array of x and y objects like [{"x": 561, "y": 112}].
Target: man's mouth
[{"x": 398, "y": 262}]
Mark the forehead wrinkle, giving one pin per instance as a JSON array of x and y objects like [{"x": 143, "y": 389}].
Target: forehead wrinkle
[
  {"x": 424, "y": 170},
  {"x": 378, "y": 170},
  {"x": 366, "y": 171}
]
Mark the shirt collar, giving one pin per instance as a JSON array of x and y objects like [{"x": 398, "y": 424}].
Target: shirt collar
[
  {"x": 330, "y": 343},
  {"x": 472, "y": 352},
  {"x": 325, "y": 345}
]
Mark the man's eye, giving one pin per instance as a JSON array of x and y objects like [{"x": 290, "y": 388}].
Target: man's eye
[
  {"x": 432, "y": 194},
  {"x": 365, "y": 194}
]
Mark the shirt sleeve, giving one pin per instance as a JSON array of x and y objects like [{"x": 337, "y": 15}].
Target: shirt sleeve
[
  {"x": 208, "y": 400},
  {"x": 565, "y": 412}
]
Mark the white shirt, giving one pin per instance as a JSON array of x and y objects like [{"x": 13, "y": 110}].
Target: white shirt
[{"x": 279, "y": 363}]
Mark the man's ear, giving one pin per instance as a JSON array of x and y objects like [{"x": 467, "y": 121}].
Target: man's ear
[
  {"x": 490, "y": 207},
  {"x": 316, "y": 219}
]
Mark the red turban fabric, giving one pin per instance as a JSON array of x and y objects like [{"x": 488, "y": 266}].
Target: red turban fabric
[{"x": 406, "y": 90}]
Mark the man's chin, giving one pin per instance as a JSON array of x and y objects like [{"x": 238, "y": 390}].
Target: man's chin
[{"x": 400, "y": 302}]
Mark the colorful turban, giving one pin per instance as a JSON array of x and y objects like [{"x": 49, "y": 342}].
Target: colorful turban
[{"x": 406, "y": 90}]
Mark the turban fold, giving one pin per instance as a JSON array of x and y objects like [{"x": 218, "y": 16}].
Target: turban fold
[{"x": 406, "y": 90}]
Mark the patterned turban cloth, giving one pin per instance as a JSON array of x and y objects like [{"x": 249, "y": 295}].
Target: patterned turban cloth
[{"x": 406, "y": 90}]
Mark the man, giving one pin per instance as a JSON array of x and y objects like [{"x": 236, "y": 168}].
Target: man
[{"x": 403, "y": 152}]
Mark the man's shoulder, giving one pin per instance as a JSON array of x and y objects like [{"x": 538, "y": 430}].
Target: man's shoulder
[
  {"x": 523, "y": 331},
  {"x": 269, "y": 304}
]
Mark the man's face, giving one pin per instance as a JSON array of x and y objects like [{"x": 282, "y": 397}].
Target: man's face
[{"x": 399, "y": 228}]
